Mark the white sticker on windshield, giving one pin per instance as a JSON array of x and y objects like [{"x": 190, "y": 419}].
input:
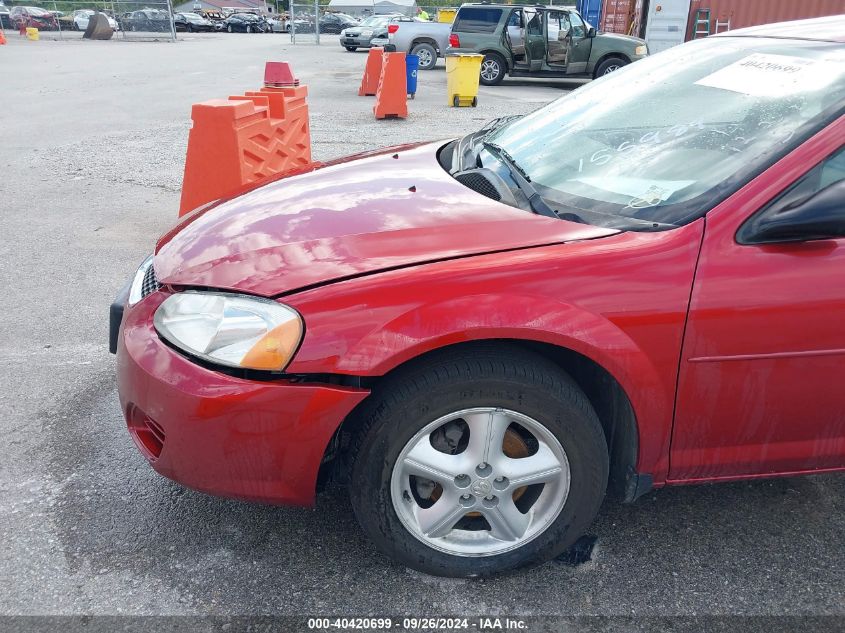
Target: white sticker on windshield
[{"x": 764, "y": 75}]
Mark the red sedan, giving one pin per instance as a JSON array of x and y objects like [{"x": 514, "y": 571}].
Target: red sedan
[{"x": 641, "y": 284}]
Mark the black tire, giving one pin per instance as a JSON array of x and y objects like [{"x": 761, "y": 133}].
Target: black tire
[
  {"x": 351, "y": 49},
  {"x": 484, "y": 376},
  {"x": 229, "y": 28},
  {"x": 249, "y": 28},
  {"x": 494, "y": 67},
  {"x": 456, "y": 101},
  {"x": 474, "y": 102},
  {"x": 609, "y": 65},
  {"x": 189, "y": 28},
  {"x": 427, "y": 54}
]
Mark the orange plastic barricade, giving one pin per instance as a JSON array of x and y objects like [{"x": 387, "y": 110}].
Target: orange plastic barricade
[
  {"x": 392, "y": 93},
  {"x": 243, "y": 139},
  {"x": 296, "y": 133},
  {"x": 372, "y": 72}
]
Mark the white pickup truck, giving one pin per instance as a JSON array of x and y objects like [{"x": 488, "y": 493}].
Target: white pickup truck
[{"x": 427, "y": 40}]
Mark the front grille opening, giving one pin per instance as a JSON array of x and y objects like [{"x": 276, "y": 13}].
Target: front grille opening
[
  {"x": 150, "y": 283},
  {"x": 148, "y": 435}
]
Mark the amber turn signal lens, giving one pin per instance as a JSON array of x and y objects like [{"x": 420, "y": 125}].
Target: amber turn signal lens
[{"x": 276, "y": 348}]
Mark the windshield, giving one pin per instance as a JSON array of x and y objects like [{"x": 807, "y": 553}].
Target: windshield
[
  {"x": 375, "y": 21},
  {"x": 668, "y": 137},
  {"x": 36, "y": 11}
]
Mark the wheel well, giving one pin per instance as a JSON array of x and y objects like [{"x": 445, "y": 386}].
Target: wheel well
[
  {"x": 611, "y": 404},
  {"x": 424, "y": 40},
  {"x": 495, "y": 52},
  {"x": 603, "y": 59}
]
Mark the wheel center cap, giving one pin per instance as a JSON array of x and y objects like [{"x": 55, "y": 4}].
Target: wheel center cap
[{"x": 481, "y": 488}]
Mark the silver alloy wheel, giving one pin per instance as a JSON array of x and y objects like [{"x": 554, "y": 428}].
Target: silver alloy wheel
[
  {"x": 490, "y": 70},
  {"x": 425, "y": 57},
  {"x": 611, "y": 68},
  {"x": 481, "y": 480}
]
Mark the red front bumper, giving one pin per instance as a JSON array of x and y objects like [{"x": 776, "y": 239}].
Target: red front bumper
[{"x": 223, "y": 435}]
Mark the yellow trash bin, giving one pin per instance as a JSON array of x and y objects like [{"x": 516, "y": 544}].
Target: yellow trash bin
[
  {"x": 446, "y": 16},
  {"x": 462, "y": 74},
  {"x": 32, "y": 33}
]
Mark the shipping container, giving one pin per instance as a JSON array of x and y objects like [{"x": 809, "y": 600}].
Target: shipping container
[
  {"x": 734, "y": 14},
  {"x": 590, "y": 10},
  {"x": 666, "y": 24},
  {"x": 617, "y": 16}
]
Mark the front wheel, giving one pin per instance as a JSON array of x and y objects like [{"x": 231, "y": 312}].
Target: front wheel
[
  {"x": 427, "y": 54},
  {"x": 493, "y": 69},
  {"x": 229, "y": 29},
  {"x": 609, "y": 65},
  {"x": 477, "y": 463},
  {"x": 352, "y": 49},
  {"x": 248, "y": 28}
]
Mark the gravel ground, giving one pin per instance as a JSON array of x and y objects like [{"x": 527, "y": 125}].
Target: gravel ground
[{"x": 94, "y": 136}]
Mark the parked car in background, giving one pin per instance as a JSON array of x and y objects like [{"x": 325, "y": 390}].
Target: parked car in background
[
  {"x": 427, "y": 40},
  {"x": 216, "y": 18},
  {"x": 34, "y": 17},
  {"x": 246, "y": 23},
  {"x": 538, "y": 41},
  {"x": 361, "y": 35},
  {"x": 5, "y": 18},
  {"x": 336, "y": 22},
  {"x": 81, "y": 17},
  {"x": 152, "y": 20},
  {"x": 278, "y": 24},
  {"x": 191, "y": 22},
  {"x": 638, "y": 285}
]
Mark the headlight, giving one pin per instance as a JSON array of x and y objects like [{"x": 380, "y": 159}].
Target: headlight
[
  {"x": 642, "y": 49},
  {"x": 136, "y": 290},
  {"x": 231, "y": 330}
]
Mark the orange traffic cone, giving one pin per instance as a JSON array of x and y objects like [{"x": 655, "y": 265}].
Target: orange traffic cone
[
  {"x": 2, "y": 37},
  {"x": 392, "y": 93},
  {"x": 372, "y": 72}
]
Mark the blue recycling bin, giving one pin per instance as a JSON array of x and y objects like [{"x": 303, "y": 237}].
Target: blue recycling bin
[{"x": 412, "y": 65}]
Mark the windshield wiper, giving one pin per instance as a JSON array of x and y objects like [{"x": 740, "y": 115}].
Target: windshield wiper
[{"x": 523, "y": 181}]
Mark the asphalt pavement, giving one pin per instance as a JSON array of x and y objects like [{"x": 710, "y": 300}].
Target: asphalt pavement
[{"x": 91, "y": 152}]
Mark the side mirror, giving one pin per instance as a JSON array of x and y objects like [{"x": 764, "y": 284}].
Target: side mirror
[
  {"x": 591, "y": 32},
  {"x": 819, "y": 217}
]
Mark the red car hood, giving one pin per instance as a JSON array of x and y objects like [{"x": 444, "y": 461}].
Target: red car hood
[{"x": 355, "y": 216}]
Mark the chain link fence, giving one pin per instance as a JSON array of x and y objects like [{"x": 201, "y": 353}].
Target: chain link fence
[
  {"x": 304, "y": 22},
  {"x": 307, "y": 21},
  {"x": 70, "y": 19}
]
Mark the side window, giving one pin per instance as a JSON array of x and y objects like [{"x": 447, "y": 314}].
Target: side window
[
  {"x": 828, "y": 173},
  {"x": 578, "y": 27},
  {"x": 515, "y": 19},
  {"x": 477, "y": 20}
]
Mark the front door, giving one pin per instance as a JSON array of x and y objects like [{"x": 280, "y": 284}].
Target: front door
[
  {"x": 580, "y": 45},
  {"x": 761, "y": 379}
]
